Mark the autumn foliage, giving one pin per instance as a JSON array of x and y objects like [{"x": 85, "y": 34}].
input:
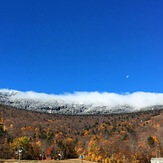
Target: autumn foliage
[{"x": 118, "y": 138}]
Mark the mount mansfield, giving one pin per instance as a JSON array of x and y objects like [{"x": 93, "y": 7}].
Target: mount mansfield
[{"x": 82, "y": 102}]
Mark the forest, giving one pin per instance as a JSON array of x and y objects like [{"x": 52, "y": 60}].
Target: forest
[{"x": 111, "y": 138}]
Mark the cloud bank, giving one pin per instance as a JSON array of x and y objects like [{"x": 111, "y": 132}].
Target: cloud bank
[{"x": 136, "y": 99}]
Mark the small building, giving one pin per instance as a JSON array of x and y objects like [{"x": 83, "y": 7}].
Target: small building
[{"x": 157, "y": 160}]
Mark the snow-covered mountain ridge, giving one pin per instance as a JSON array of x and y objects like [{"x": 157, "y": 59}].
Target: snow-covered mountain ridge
[{"x": 82, "y": 102}]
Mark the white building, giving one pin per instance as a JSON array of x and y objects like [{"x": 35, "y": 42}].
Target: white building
[{"x": 157, "y": 160}]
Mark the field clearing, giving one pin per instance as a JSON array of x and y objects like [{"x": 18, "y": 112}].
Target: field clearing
[
  {"x": 68, "y": 161},
  {"x": 47, "y": 161}
]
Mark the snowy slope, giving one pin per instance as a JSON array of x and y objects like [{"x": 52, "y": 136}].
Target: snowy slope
[{"x": 81, "y": 102}]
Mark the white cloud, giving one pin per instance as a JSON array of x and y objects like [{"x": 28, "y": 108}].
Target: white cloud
[{"x": 136, "y": 99}]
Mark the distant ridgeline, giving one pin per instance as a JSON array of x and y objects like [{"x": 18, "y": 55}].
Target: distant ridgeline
[
  {"x": 59, "y": 106},
  {"x": 99, "y": 138}
]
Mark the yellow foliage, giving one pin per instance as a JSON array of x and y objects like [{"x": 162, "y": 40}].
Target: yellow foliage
[
  {"x": 36, "y": 129},
  {"x": 103, "y": 126},
  {"x": 4, "y": 127},
  {"x": 93, "y": 157},
  {"x": 19, "y": 142},
  {"x": 30, "y": 128},
  {"x": 79, "y": 150},
  {"x": 2, "y": 120},
  {"x": 38, "y": 143},
  {"x": 155, "y": 139},
  {"x": 11, "y": 125},
  {"x": 60, "y": 133},
  {"x": 23, "y": 128},
  {"x": 157, "y": 125},
  {"x": 70, "y": 140},
  {"x": 98, "y": 158},
  {"x": 86, "y": 133},
  {"x": 94, "y": 138},
  {"x": 118, "y": 161}
]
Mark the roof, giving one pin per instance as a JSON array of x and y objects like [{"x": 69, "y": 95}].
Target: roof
[{"x": 157, "y": 160}]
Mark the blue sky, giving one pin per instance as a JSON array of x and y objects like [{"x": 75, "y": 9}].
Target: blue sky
[{"x": 90, "y": 45}]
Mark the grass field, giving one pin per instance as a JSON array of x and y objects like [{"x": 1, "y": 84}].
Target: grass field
[
  {"x": 68, "y": 161},
  {"x": 46, "y": 161}
]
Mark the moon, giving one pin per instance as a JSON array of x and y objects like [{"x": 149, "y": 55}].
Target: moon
[{"x": 127, "y": 76}]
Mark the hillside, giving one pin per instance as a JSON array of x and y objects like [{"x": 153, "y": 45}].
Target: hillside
[
  {"x": 81, "y": 103},
  {"x": 130, "y": 136}
]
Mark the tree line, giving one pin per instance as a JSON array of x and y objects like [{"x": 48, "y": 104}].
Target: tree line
[{"x": 119, "y": 138}]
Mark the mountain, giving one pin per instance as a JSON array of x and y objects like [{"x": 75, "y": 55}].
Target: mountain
[{"x": 80, "y": 103}]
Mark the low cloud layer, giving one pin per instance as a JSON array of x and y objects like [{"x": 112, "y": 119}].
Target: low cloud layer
[{"x": 136, "y": 99}]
